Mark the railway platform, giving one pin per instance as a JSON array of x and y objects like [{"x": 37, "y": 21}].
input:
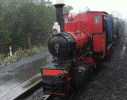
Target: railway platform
[{"x": 14, "y": 83}]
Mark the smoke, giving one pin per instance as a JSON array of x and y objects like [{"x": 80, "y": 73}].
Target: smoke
[
  {"x": 59, "y": 1},
  {"x": 116, "y": 14},
  {"x": 81, "y": 10},
  {"x": 72, "y": 13}
]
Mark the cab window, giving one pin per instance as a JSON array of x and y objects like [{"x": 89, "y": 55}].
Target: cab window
[
  {"x": 66, "y": 19},
  {"x": 96, "y": 19}
]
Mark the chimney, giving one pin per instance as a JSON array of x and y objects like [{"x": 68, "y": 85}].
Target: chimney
[{"x": 59, "y": 15}]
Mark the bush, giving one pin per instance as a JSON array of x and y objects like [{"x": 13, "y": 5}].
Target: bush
[
  {"x": 20, "y": 54},
  {"x": 8, "y": 60}
]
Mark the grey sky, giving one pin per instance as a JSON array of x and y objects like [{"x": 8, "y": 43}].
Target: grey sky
[{"x": 116, "y": 7}]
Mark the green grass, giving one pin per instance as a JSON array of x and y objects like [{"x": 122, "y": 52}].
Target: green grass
[{"x": 20, "y": 54}]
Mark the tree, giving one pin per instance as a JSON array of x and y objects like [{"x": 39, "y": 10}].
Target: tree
[
  {"x": 66, "y": 9},
  {"x": 22, "y": 18}
]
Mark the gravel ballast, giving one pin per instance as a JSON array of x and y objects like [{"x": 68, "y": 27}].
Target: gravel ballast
[{"x": 109, "y": 80}]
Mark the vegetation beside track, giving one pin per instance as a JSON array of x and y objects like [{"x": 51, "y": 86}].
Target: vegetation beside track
[
  {"x": 25, "y": 25},
  {"x": 20, "y": 54}
]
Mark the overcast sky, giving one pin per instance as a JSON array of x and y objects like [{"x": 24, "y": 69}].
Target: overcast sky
[{"x": 115, "y": 7}]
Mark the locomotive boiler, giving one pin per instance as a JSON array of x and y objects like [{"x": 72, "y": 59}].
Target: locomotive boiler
[
  {"x": 67, "y": 43},
  {"x": 76, "y": 46}
]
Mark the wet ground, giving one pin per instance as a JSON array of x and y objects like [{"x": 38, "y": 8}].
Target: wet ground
[
  {"x": 22, "y": 62},
  {"x": 109, "y": 80},
  {"x": 22, "y": 77}
]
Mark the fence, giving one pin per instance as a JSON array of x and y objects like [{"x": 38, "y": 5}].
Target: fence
[
  {"x": 21, "y": 48},
  {"x": 23, "y": 43}
]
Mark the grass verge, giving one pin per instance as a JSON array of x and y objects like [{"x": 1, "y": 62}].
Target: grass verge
[{"x": 20, "y": 54}]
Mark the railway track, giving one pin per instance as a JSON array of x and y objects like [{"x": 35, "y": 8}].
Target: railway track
[
  {"x": 33, "y": 87},
  {"x": 30, "y": 91},
  {"x": 38, "y": 84},
  {"x": 22, "y": 79},
  {"x": 27, "y": 88}
]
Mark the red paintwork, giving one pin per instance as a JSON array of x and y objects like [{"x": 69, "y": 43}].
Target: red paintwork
[
  {"x": 84, "y": 22},
  {"x": 68, "y": 78},
  {"x": 56, "y": 72},
  {"x": 87, "y": 22},
  {"x": 89, "y": 61},
  {"x": 86, "y": 60},
  {"x": 51, "y": 72},
  {"x": 81, "y": 40},
  {"x": 104, "y": 45},
  {"x": 99, "y": 43},
  {"x": 70, "y": 27},
  {"x": 65, "y": 16}
]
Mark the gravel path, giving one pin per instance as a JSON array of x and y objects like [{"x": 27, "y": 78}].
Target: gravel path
[{"x": 23, "y": 62}]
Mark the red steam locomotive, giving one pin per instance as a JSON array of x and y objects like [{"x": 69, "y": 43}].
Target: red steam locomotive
[{"x": 81, "y": 43}]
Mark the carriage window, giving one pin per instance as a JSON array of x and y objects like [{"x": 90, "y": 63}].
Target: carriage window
[
  {"x": 96, "y": 19},
  {"x": 66, "y": 19}
]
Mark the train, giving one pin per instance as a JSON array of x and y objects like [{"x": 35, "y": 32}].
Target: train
[{"x": 77, "y": 45}]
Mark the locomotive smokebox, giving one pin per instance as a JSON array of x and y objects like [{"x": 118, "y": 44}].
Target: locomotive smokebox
[{"x": 59, "y": 15}]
